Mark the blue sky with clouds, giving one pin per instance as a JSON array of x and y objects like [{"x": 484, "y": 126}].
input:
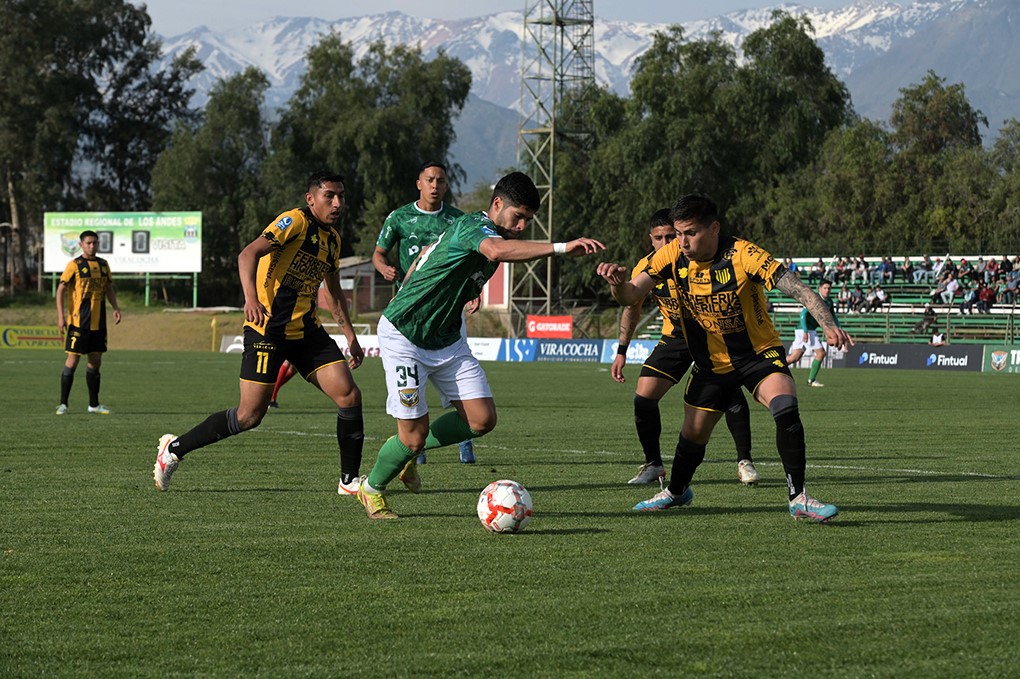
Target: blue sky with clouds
[{"x": 172, "y": 17}]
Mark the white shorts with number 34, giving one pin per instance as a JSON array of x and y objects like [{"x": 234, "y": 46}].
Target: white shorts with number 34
[{"x": 454, "y": 372}]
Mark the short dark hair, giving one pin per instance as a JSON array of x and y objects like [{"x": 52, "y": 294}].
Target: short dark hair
[
  {"x": 660, "y": 218},
  {"x": 517, "y": 189},
  {"x": 320, "y": 177},
  {"x": 432, "y": 163},
  {"x": 86, "y": 234},
  {"x": 694, "y": 207}
]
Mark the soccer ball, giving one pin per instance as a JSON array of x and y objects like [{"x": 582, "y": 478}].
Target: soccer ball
[{"x": 505, "y": 507}]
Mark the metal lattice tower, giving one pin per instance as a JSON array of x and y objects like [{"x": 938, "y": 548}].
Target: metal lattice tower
[{"x": 558, "y": 63}]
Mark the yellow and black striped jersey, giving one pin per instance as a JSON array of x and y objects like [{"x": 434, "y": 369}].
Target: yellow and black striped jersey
[
  {"x": 724, "y": 316},
  {"x": 88, "y": 281},
  {"x": 288, "y": 278},
  {"x": 666, "y": 297}
]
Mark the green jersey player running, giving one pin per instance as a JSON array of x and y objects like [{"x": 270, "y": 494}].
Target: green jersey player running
[
  {"x": 420, "y": 334},
  {"x": 412, "y": 227},
  {"x": 807, "y": 336}
]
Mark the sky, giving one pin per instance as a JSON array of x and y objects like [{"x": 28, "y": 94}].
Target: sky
[{"x": 173, "y": 17}]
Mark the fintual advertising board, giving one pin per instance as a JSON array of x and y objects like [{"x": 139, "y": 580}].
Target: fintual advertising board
[{"x": 132, "y": 242}]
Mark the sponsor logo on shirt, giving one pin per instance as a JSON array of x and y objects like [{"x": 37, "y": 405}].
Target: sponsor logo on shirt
[{"x": 284, "y": 223}]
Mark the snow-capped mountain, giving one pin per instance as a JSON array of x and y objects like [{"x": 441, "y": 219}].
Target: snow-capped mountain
[
  {"x": 491, "y": 45},
  {"x": 876, "y": 47}
]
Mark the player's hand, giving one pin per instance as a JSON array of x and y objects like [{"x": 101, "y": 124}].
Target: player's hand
[
  {"x": 389, "y": 273},
  {"x": 613, "y": 273},
  {"x": 357, "y": 354},
  {"x": 583, "y": 246},
  {"x": 255, "y": 313},
  {"x": 839, "y": 338},
  {"x": 116, "y": 316},
  {"x": 617, "y": 370},
  {"x": 61, "y": 326},
  {"x": 472, "y": 306}
]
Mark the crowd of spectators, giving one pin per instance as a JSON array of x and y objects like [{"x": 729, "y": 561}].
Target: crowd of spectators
[{"x": 973, "y": 286}]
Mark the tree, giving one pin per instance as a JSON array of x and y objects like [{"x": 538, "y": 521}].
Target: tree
[
  {"x": 215, "y": 166},
  {"x": 62, "y": 64},
  {"x": 929, "y": 118},
  {"x": 374, "y": 120}
]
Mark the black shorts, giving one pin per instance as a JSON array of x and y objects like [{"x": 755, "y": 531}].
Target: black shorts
[
  {"x": 708, "y": 390},
  {"x": 83, "y": 341},
  {"x": 263, "y": 356},
  {"x": 669, "y": 360}
]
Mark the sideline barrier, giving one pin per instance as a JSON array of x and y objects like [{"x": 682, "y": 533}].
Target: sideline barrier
[
  {"x": 961, "y": 357},
  {"x": 30, "y": 337}
]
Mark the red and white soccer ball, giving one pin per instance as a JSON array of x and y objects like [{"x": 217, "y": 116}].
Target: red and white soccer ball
[{"x": 505, "y": 507}]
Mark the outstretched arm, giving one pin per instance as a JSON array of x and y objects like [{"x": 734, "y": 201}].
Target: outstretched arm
[
  {"x": 626, "y": 292},
  {"x": 835, "y": 336},
  {"x": 502, "y": 250}
]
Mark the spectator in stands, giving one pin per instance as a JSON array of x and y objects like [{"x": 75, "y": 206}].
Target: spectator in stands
[
  {"x": 946, "y": 290},
  {"x": 792, "y": 267},
  {"x": 986, "y": 297},
  {"x": 943, "y": 269},
  {"x": 856, "y": 300},
  {"x": 844, "y": 300},
  {"x": 966, "y": 272},
  {"x": 968, "y": 297},
  {"x": 927, "y": 320},
  {"x": 991, "y": 270},
  {"x": 1006, "y": 267},
  {"x": 839, "y": 273},
  {"x": 876, "y": 298},
  {"x": 817, "y": 272},
  {"x": 924, "y": 271},
  {"x": 860, "y": 270},
  {"x": 937, "y": 340},
  {"x": 907, "y": 270}
]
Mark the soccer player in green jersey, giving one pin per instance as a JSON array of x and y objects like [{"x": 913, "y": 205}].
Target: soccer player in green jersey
[
  {"x": 412, "y": 227},
  {"x": 420, "y": 333},
  {"x": 807, "y": 336}
]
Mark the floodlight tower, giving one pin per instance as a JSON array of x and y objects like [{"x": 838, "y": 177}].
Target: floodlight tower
[{"x": 558, "y": 61}]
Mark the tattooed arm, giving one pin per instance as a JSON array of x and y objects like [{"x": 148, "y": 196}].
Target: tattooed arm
[{"x": 835, "y": 336}]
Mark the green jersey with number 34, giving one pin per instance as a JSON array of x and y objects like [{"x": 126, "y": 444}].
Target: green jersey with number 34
[{"x": 427, "y": 310}]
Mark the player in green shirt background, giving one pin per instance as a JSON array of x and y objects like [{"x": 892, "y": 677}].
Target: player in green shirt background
[
  {"x": 420, "y": 334},
  {"x": 807, "y": 336},
  {"x": 412, "y": 227}
]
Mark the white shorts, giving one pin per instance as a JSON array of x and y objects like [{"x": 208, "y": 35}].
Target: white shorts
[
  {"x": 454, "y": 371},
  {"x": 813, "y": 343}
]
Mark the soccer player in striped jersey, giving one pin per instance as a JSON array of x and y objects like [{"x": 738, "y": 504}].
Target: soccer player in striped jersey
[
  {"x": 281, "y": 272},
  {"x": 412, "y": 227},
  {"x": 722, "y": 282},
  {"x": 420, "y": 336},
  {"x": 90, "y": 283},
  {"x": 666, "y": 365}
]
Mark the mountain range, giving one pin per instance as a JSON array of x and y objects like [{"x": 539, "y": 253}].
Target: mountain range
[{"x": 875, "y": 47}]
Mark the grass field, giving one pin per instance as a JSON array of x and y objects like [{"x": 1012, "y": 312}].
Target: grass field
[{"x": 253, "y": 566}]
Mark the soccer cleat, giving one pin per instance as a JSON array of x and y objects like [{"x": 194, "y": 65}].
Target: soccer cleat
[
  {"x": 467, "y": 452},
  {"x": 422, "y": 459},
  {"x": 350, "y": 488},
  {"x": 806, "y": 507},
  {"x": 274, "y": 404},
  {"x": 62, "y": 409},
  {"x": 410, "y": 478},
  {"x": 815, "y": 383},
  {"x": 375, "y": 505},
  {"x": 99, "y": 409},
  {"x": 747, "y": 474},
  {"x": 664, "y": 500},
  {"x": 166, "y": 462},
  {"x": 649, "y": 472}
]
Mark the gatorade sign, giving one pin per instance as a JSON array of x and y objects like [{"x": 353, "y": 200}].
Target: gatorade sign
[{"x": 551, "y": 327}]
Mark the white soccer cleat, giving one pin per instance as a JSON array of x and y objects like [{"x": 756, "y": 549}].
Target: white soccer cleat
[
  {"x": 747, "y": 474},
  {"x": 649, "y": 472},
  {"x": 99, "y": 410},
  {"x": 166, "y": 463},
  {"x": 61, "y": 409},
  {"x": 351, "y": 488},
  {"x": 815, "y": 384}
]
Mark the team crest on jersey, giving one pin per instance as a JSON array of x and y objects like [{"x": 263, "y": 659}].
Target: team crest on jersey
[
  {"x": 284, "y": 223},
  {"x": 729, "y": 253},
  {"x": 409, "y": 398},
  {"x": 723, "y": 276},
  {"x": 682, "y": 273}
]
